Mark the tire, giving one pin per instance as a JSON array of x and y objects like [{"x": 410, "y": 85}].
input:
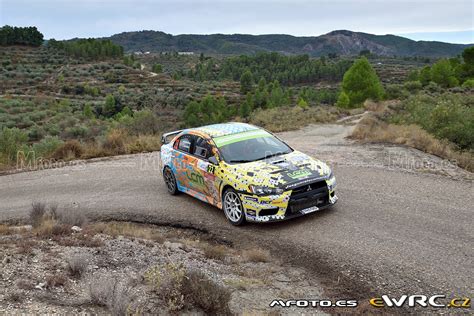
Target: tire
[
  {"x": 170, "y": 181},
  {"x": 233, "y": 207}
]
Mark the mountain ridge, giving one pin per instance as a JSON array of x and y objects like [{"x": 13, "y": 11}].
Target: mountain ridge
[{"x": 340, "y": 42}]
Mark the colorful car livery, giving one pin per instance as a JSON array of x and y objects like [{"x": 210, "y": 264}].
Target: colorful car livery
[{"x": 248, "y": 172}]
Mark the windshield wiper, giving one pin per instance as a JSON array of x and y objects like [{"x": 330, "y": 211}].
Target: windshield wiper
[{"x": 272, "y": 155}]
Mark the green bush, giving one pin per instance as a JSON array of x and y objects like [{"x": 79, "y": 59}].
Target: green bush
[
  {"x": 11, "y": 140},
  {"x": 468, "y": 84},
  {"x": 343, "y": 100},
  {"x": 449, "y": 116},
  {"x": 47, "y": 146},
  {"x": 144, "y": 122},
  {"x": 157, "y": 68},
  {"x": 443, "y": 74},
  {"x": 413, "y": 86}
]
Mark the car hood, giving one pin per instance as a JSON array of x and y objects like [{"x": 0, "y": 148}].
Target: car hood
[{"x": 284, "y": 171}]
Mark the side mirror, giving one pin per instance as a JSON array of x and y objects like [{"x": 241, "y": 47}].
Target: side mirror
[{"x": 213, "y": 160}]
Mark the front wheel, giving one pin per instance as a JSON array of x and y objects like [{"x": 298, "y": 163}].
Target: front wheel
[
  {"x": 233, "y": 208},
  {"x": 170, "y": 181}
]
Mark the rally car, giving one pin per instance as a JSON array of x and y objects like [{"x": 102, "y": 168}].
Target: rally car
[{"x": 246, "y": 171}]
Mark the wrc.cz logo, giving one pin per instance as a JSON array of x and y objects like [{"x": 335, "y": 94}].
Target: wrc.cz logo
[{"x": 420, "y": 300}]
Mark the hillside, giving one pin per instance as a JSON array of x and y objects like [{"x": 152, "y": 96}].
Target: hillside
[{"x": 339, "y": 42}]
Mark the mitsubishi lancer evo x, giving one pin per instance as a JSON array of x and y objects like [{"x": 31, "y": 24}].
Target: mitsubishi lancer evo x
[{"x": 248, "y": 172}]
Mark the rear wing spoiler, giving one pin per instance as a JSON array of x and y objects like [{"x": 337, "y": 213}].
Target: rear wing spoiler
[{"x": 167, "y": 137}]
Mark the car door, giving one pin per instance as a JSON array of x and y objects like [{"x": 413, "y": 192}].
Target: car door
[{"x": 202, "y": 150}]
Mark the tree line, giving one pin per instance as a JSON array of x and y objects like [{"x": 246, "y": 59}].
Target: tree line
[
  {"x": 287, "y": 70},
  {"x": 12, "y": 35},
  {"x": 90, "y": 48},
  {"x": 448, "y": 73}
]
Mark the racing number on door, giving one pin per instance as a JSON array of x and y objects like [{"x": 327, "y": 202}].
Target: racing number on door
[{"x": 211, "y": 168}]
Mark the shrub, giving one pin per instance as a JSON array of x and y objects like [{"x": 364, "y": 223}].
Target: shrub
[
  {"x": 70, "y": 150},
  {"x": 413, "y": 86},
  {"x": 257, "y": 255},
  {"x": 443, "y": 74},
  {"x": 37, "y": 213},
  {"x": 55, "y": 280},
  {"x": 343, "y": 100},
  {"x": 217, "y": 252},
  {"x": 448, "y": 116},
  {"x": 394, "y": 91},
  {"x": 77, "y": 265},
  {"x": 207, "y": 294},
  {"x": 158, "y": 68},
  {"x": 109, "y": 291},
  {"x": 47, "y": 146},
  {"x": 115, "y": 142},
  {"x": 302, "y": 104},
  {"x": 168, "y": 283},
  {"x": 468, "y": 84},
  {"x": 11, "y": 140},
  {"x": 71, "y": 217},
  {"x": 142, "y": 122}
]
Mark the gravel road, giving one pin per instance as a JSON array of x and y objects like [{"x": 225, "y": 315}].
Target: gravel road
[{"x": 403, "y": 223}]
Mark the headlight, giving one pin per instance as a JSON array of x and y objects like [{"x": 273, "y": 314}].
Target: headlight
[
  {"x": 262, "y": 190},
  {"x": 331, "y": 175}
]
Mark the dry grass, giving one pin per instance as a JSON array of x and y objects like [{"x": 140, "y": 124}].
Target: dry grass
[
  {"x": 72, "y": 149},
  {"x": 256, "y": 255},
  {"x": 378, "y": 107},
  {"x": 114, "y": 142},
  {"x": 116, "y": 229},
  {"x": 143, "y": 143},
  {"x": 216, "y": 252},
  {"x": 372, "y": 129},
  {"x": 5, "y": 230},
  {"x": 49, "y": 227},
  {"x": 290, "y": 118},
  {"x": 56, "y": 280},
  {"x": 206, "y": 293},
  {"x": 79, "y": 240}
]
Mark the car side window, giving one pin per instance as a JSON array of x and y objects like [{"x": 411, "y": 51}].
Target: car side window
[
  {"x": 202, "y": 149},
  {"x": 184, "y": 143}
]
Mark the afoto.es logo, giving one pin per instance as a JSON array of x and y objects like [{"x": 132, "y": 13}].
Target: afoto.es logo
[{"x": 420, "y": 300}]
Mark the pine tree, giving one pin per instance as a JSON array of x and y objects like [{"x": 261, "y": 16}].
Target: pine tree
[
  {"x": 246, "y": 107},
  {"x": 361, "y": 83},
  {"x": 246, "y": 82}
]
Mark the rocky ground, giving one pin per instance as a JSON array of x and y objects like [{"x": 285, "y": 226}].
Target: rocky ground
[{"x": 124, "y": 268}]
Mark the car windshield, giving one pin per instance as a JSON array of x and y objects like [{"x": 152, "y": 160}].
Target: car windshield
[{"x": 238, "y": 149}]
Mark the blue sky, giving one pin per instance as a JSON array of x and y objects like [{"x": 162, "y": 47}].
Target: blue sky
[{"x": 450, "y": 21}]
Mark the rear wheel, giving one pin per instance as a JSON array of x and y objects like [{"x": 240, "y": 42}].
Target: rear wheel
[
  {"x": 233, "y": 208},
  {"x": 170, "y": 181}
]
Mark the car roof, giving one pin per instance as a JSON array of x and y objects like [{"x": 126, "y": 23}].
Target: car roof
[{"x": 223, "y": 129}]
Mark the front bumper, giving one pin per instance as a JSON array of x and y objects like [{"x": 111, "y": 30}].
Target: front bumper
[{"x": 290, "y": 204}]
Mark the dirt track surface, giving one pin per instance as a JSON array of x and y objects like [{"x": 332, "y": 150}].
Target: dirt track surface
[{"x": 403, "y": 223}]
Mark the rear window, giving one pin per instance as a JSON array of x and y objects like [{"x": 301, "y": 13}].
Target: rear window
[{"x": 184, "y": 143}]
